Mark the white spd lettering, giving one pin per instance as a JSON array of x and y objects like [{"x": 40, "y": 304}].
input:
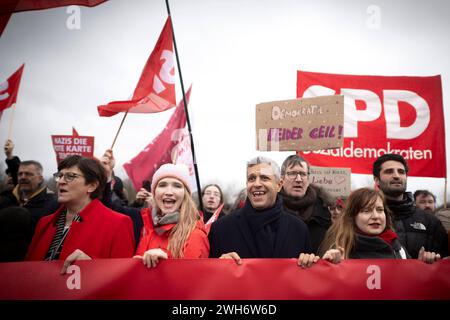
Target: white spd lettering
[
  {"x": 3, "y": 87},
  {"x": 165, "y": 74},
  {"x": 374, "y": 110}
]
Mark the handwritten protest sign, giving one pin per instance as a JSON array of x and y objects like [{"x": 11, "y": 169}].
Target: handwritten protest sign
[
  {"x": 303, "y": 124},
  {"x": 337, "y": 181},
  {"x": 72, "y": 145}
]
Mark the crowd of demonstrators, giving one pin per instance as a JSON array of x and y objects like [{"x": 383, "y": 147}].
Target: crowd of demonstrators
[
  {"x": 425, "y": 200},
  {"x": 30, "y": 192},
  {"x": 305, "y": 200},
  {"x": 82, "y": 228},
  {"x": 278, "y": 215},
  {"x": 366, "y": 231},
  {"x": 262, "y": 228},
  {"x": 169, "y": 226},
  {"x": 414, "y": 227}
]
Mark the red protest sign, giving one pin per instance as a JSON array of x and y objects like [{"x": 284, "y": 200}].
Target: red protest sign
[{"x": 75, "y": 144}]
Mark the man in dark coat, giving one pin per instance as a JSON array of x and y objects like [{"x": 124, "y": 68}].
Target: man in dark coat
[
  {"x": 305, "y": 200},
  {"x": 261, "y": 229},
  {"x": 31, "y": 193},
  {"x": 414, "y": 227}
]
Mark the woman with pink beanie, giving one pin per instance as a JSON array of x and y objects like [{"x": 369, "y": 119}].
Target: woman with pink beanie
[{"x": 171, "y": 226}]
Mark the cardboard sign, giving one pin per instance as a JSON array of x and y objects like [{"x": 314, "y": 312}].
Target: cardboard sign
[
  {"x": 336, "y": 181},
  {"x": 303, "y": 124},
  {"x": 73, "y": 145}
]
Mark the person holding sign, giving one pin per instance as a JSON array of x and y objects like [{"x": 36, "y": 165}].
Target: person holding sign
[
  {"x": 82, "y": 228},
  {"x": 366, "y": 231},
  {"x": 305, "y": 200},
  {"x": 261, "y": 229}
]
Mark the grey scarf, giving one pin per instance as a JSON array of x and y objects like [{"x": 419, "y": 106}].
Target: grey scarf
[{"x": 160, "y": 221}]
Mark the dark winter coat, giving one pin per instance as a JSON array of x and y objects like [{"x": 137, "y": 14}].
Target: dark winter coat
[
  {"x": 312, "y": 210},
  {"x": 286, "y": 235},
  {"x": 416, "y": 228}
]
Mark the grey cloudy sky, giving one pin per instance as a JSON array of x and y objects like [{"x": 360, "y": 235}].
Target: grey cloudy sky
[{"x": 236, "y": 54}]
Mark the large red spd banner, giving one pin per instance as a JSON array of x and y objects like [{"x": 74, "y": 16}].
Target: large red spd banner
[
  {"x": 401, "y": 115},
  {"x": 210, "y": 279}
]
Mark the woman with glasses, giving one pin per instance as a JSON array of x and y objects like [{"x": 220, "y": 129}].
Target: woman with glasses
[
  {"x": 365, "y": 231},
  {"x": 82, "y": 228},
  {"x": 212, "y": 198}
]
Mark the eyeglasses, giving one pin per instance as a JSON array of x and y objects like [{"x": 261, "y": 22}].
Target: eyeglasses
[
  {"x": 293, "y": 174},
  {"x": 68, "y": 176},
  {"x": 214, "y": 194}
]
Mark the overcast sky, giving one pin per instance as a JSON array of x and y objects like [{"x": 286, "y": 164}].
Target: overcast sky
[{"x": 236, "y": 53}]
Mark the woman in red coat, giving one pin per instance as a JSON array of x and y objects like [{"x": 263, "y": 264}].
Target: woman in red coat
[
  {"x": 173, "y": 227},
  {"x": 82, "y": 228}
]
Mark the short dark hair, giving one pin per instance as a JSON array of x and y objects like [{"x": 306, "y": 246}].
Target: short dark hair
[
  {"x": 425, "y": 193},
  {"x": 35, "y": 163},
  {"x": 92, "y": 170},
  {"x": 213, "y": 185},
  {"x": 291, "y": 161},
  {"x": 388, "y": 157}
]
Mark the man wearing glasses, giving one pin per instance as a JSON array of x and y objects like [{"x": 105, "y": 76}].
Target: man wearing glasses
[{"x": 304, "y": 200}]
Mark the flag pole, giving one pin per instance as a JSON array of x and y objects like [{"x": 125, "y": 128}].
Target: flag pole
[
  {"x": 13, "y": 108},
  {"x": 120, "y": 127},
  {"x": 197, "y": 178}
]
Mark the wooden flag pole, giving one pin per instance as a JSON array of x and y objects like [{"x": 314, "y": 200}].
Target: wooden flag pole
[
  {"x": 120, "y": 127},
  {"x": 11, "y": 119},
  {"x": 197, "y": 177}
]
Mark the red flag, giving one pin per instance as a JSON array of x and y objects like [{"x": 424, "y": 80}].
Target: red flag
[
  {"x": 10, "y": 6},
  {"x": 159, "y": 151},
  {"x": 155, "y": 91},
  {"x": 395, "y": 114},
  {"x": 9, "y": 89}
]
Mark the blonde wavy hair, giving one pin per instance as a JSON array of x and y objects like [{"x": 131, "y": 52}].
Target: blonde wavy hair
[
  {"x": 342, "y": 232},
  {"x": 189, "y": 216}
]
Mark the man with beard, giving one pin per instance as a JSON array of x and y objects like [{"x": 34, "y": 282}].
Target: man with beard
[
  {"x": 30, "y": 192},
  {"x": 414, "y": 227},
  {"x": 305, "y": 200},
  {"x": 425, "y": 200}
]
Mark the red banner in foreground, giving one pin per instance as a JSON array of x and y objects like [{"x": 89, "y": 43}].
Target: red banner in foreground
[{"x": 255, "y": 279}]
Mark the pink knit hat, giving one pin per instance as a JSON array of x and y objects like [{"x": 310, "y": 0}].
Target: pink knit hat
[{"x": 178, "y": 171}]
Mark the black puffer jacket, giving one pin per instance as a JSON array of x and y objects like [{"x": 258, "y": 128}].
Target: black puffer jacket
[
  {"x": 311, "y": 209},
  {"x": 416, "y": 228}
]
